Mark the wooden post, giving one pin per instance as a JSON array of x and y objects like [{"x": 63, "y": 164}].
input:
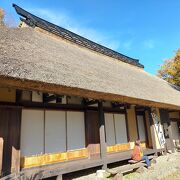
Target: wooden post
[
  {"x": 59, "y": 177},
  {"x": 171, "y": 136},
  {"x": 153, "y": 137},
  {"x": 102, "y": 135},
  {"x": 164, "y": 116},
  {"x": 10, "y": 121}
]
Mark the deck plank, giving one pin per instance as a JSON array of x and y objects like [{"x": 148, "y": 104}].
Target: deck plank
[{"x": 76, "y": 165}]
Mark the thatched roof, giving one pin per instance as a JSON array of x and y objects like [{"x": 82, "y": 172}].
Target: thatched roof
[
  {"x": 34, "y": 21},
  {"x": 35, "y": 60}
]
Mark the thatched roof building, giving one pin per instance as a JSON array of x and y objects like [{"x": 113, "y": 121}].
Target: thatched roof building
[
  {"x": 38, "y": 60},
  {"x": 69, "y": 104},
  {"x": 41, "y": 59}
]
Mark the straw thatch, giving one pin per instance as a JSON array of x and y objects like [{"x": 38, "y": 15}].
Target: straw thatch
[{"x": 35, "y": 60}]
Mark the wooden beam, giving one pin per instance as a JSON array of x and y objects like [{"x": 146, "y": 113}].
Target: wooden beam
[
  {"x": 103, "y": 145},
  {"x": 127, "y": 128},
  {"x": 40, "y": 105},
  {"x": 47, "y": 98},
  {"x": 87, "y": 102},
  {"x": 119, "y": 105},
  {"x": 72, "y": 91}
]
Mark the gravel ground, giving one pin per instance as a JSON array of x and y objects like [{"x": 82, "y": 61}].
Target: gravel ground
[{"x": 166, "y": 168}]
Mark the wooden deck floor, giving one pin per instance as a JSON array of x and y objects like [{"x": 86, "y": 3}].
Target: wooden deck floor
[
  {"x": 72, "y": 166},
  {"x": 126, "y": 155}
]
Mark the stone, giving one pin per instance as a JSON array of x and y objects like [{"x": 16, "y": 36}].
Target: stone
[
  {"x": 153, "y": 161},
  {"x": 111, "y": 171},
  {"x": 141, "y": 170},
  {"x": 150, "y": 168},
  {"x": 107, "y": 174},
  {"x": 118, "y": 176},
  {"x": 100, "y": 174}
]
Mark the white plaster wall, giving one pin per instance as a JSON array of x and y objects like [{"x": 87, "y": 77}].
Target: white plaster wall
[
  {"x": 141, "y": 128},
  {"x": 109, "y": 127},
  {"x": 32, "y": 131},
  {"x": 74, "y": 100},
  {"x": 55, "y": 131},
  {"x": 26, "y": 96},
  {"x": 64, "y": 100},
  {"x": 120, "y": 128},
  {"x": 107, "y": 104},
  {"x": 75, "y": 130},
  {"x": 37, "y": 96}
]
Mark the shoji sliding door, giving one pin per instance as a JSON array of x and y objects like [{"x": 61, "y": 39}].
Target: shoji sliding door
[
  {"x": 116, "y": 131},
  {"x": 141, "y": 127},
  {"x": 120, "y": 128},
  {"x": 75, "y": 130},
  {"x": 55, "y": 131},
  {"x": 32, "y": 132},
  {"x": 110, "y": 129},
  {"x": 51, "y": 131}
]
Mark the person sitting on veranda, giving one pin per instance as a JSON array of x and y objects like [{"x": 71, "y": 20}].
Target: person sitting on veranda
[{"x": 137, "y": 154}]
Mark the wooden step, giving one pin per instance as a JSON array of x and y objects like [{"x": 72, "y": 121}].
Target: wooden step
[{"x": 142, "y": 161}]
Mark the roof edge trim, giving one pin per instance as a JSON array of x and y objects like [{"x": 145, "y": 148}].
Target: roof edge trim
[{"x": 35, "y": 21}]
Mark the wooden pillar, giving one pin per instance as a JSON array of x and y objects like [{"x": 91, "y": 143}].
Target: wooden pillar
[
  {"x": 59, "y": 177},
  {"x": 103, "y": 145},
  {"x": 132, "y": 125},
  {"x": 164, "y": 116},
  {"x": 171, "y": 136},
  {"x": 10, "y": 120},
  {"x": 152, "y": 130}
]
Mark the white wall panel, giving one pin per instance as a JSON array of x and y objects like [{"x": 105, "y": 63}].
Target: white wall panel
[
  {"x": 109, "y": 127},
  {"x": 32, "y": 130},
  {"x": 75, "y": 130},
  {"x": 141, "y": 128},
  {"x": 74, "y": 100},
  {"x": 37, "y": 96},
  {"x": 120, "y": 128},
  {"x": 55, "y": 131}
]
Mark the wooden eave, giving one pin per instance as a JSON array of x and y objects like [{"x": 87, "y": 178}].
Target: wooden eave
[{"x": 73, "y": 91}]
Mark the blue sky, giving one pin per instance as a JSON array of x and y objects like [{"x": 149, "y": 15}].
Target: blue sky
[{"x": 148, "y": 30}]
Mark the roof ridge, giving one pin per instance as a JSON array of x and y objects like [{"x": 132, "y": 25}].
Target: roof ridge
[{"x": 34, "y": 21}]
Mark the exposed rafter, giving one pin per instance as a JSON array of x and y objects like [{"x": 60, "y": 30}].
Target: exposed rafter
[
  {"x": 117, "y": 104},
  {"x": 88, "y": 102},
  {"x": 48, "y": 98}
]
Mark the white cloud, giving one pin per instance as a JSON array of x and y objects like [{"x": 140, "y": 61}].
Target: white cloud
[{"x": 66, "y": 21}]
